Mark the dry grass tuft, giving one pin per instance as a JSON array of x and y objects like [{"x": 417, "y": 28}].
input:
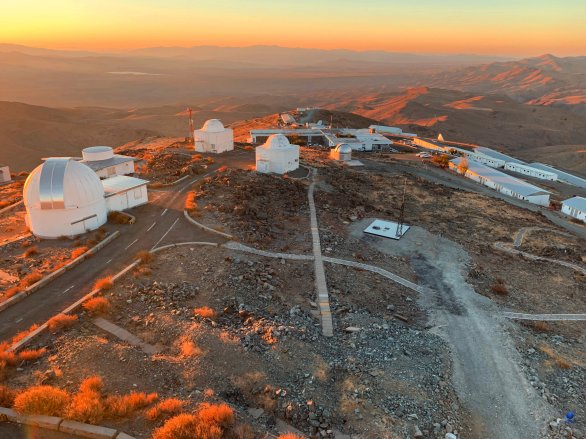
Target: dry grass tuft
[
  {"x": 145, "y": 257},
  {"x": 559, "y": 360},
  {"x": 189, "y": 348},
  {"x": 10, "y": 292},
  {"x": 31, "y": 279},
  {"x": 31, "y": 354},
  {"x": 289, "y": 436},
  {"x": 165, "y": 409},
  {"x": 223, "y": 168},
  {"x": 538, "y": 326},
  {"x": 7, "y": 396},
  {"x": 31, "y": 251},
  {"x": 209, "y": 422},
  {"x": 119, "y": 217},
  {"x": 87, "y": 405},
  {"x": 61, "y": 321},
  {"x": 242, "y": 431},
  {"x": 97, "y": 306},
  {"x": 500, "y": 288},
  {"x": 23, "y": 334},
  {"x": 125, "y": 405},
  {"x": 204, "y": 312},
  {"x": 77, "y": 252},
  {"x": 104, "y": 283},
  {"x": 191, "y": 202},
  {"x": 42, "y": 400}
]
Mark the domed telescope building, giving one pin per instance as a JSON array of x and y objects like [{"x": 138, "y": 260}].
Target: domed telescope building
[
  {"x": 213, "y": 137},
  {"x": 277, "y": 155},
  {"x": 342, "y": 152}
]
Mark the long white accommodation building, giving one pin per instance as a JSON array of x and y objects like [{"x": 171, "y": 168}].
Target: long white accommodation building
[
  {"x": 531, "y": 171},
  {"x": 575, "y": 207},
  {"x": 103, "y": 161},
  {"x": 562, "y": 175},
  {"x": 497, "y": 155},
  {"x": 503, "y": 183}
]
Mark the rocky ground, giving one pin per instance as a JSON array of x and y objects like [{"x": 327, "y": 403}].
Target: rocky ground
[{"x": 268, "y": 211}]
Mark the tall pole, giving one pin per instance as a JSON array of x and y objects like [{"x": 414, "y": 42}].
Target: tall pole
[
  {"x": 402, "y": 212},
  {"x": 191, "y": 126}
]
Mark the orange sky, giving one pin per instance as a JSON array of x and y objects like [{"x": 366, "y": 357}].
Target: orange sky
[{"x": 512, "y": 27}]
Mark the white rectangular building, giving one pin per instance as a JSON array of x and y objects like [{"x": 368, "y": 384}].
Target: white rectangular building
[
  {"x": 497, "y": 155},
  {"x": 563, "y": 176},
  {"x": 122, "y": 192},
  {"x": 575, "y": 207},
  {"x": 4, "y": 174},
  {"x": 430, "y": 144},
  {"x": 531, "y": 172},
  {"x": 103, "y": 161},
  {"x": 501, "y": 182}
]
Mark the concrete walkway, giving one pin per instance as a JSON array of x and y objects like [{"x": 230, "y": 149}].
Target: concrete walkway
[
  {"x": 320, "y": 274},
  {"x": 521, "y": 233},
  {"x": 124, "y": 335},
  {"x": 506, "y": 248},
  {"x": 545, "y": 317}
]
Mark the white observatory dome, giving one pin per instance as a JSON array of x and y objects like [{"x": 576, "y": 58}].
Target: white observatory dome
[
  {"x": 277, "y": 141},
  {"x": 213, "y": 126},
  {"x": 95, "y": 153},
  {"x": 344, "y": 148},
  {"x": 63, "y": 198}
]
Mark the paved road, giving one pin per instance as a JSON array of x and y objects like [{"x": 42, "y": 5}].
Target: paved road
[
  {"x": 10, "y": 430},
  {"x": 157, "y": 223}
]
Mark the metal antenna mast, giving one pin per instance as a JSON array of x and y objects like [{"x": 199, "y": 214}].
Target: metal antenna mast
[
  {"x": 191, "y": 126},
  {"x": 402, "y": 211}
]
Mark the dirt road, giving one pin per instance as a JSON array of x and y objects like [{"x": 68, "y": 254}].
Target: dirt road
[{"x": 487, "y": 375}]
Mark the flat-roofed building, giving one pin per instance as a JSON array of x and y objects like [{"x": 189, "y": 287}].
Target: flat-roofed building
[
  {"x": 575, "y": 207},
  {"x": 563, "y": 176},
  {"x": 103, "y": 161},
  {"x": 531, "y": 171},
  {"x": 501, "y": 182},
  {"x": 123, "y": 192}
]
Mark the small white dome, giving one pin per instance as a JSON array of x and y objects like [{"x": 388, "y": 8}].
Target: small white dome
[
  {"x": 95, "y": 153},
  {"x": 277, "y": 141},
  {"x": 344, "y": 148},
  {"x": 62, "y": 183},
  {"x": 213, "y": 126}
]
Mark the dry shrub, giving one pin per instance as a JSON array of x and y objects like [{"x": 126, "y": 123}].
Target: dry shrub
[
  {"x": 31, "y": 354},
  {"x": 560, "y": 361},
  {"x": 248, "y": 148},
  {"x": 499, "y": 288},
  {"x": 7, "y": 396},
  {"x": 218, "y": 414},
  {"x": 8, "y": 358},
  {"x": 10, "y": 292},
  {"x": 189, "y": 349},
  {"x": 4, "y": 204},
  {"x": 31, "y": 279},
  {"x": 42, "y": 400},
  {"x": 165, "y": 409},
  {"x": 209, "y": 422},
  {"x": 105, "y": 283},
  {"x": 77, "y": 252},
  {"x": 31, "y": 251},
  {"x": 87, "y": 405},
  {"x": 61, "y": 321},
  {"x": 205, "y": 312},
  {"x": 191, "y": 201},
  {"x": 145, "y": 257},
  {"x": 97, "y": 306},
  {"x": 124, "y": 405},
  {"x": 142, "y": 271},
  {"x": 119, "y": 217},
  {"x": 222, "y": 168},
  {"x": 289, "y": 436},
  {"x": 538, "y": 326},
  {"x": 23, "y": 334}
]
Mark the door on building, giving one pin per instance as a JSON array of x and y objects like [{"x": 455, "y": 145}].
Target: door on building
[{"x": 263, "y": 166}]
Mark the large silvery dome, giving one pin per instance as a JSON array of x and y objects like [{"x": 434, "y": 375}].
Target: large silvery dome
[{"x": 63, "y": 198}]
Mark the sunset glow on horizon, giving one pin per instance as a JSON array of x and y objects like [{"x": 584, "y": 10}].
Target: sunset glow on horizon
[{"x": 427, "y": 26}]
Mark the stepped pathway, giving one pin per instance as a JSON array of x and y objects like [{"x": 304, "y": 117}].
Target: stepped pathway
[{"x": 320, "y": 273}]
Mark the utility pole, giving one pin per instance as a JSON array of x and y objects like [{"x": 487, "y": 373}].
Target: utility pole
[
  {"x": 402, "y": 212},
  {"x": 191, "y": 126}
]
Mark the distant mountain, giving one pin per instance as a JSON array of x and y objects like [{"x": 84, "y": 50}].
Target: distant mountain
[{"x": 546, "y": 80}]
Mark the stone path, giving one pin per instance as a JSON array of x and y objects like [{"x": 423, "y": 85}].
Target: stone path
[
  {"x": 545, "y": 317},
  {"x": 522, "y": 232},
  {"x": 232, "y": 245},
  {"x": 320, "y": 274},
  {"x": 506, "y": 248},
  {"x": 124, "y": 335}
]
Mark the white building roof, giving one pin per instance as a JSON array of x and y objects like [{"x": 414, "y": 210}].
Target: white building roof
[
  {"x": 578, "y": 203},
  {"x": 277, "y": 141},
  {"x": 562, "y": 175},
  {"x": 98, "y": 165},
  {"x": 121, "y": 183},
  {"x": 62, "y": 183},
  {"x": 513, "y": 184},
  {"x": 213, "y": 126},
  {"x": 498, "y": 155}
]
